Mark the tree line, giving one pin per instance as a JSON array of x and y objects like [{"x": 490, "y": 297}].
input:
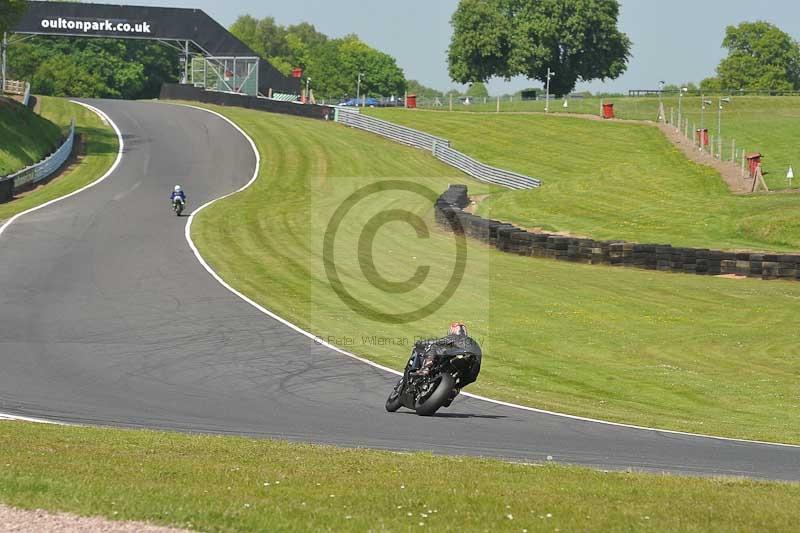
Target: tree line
[{"x": 333, "y": 65}]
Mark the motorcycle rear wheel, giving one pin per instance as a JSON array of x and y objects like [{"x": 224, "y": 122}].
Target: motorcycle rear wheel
[{"x": 436, "y": 399}]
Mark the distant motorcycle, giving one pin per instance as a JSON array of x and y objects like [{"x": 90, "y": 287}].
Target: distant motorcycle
[
  {"x": 178, "y": 204},
  {"x": 454, "y": 367}
]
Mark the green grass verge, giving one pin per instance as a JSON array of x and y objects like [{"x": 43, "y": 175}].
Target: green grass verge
[
  {"x": 683, "y": 352},
  {"x": 766, "y": 124},
  {"x": 238, "y": 484},
  {"x": 101, "y": 150},
  {"x": 611, "y": 181},
  {"x": 25, "y": 137}
]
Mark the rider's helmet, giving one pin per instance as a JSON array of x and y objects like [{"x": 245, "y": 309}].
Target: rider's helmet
[
  {"x": 177, "y": 188},
  {"x": 457, "y": 328}
]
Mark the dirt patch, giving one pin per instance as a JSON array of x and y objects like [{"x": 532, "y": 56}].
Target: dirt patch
[
  {"x": 730, "y": 172},
  {"x": 731, "y": 276},
  {"x": 18, "y": 520},
  {"x": 474, "y": 201}
]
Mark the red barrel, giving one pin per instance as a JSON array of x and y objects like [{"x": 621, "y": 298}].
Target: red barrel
[
  {"x": 702, "y": 136},
  {"x": 608, "y": 110},
  {"x": 753, "y": 161},
  {"x": 411, "y": 101}
]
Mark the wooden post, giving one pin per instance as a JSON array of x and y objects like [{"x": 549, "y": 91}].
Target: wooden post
[
  {"x": 498, "y": 104},
  {"x": 733, "y": 150},
  {"x": 451, "y": 102},
  {"x": 760, "y": 179}
]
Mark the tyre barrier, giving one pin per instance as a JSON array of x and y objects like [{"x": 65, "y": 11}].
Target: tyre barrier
[{"x": 508, "y": 238}]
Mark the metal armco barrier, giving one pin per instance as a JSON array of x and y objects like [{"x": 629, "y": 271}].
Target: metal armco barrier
[
  {"x": 481, "y": 171},
  {"x": 39, "y": 171},
  {"x": 390, "y": 130},
  {"x": 440, "y": 148}
]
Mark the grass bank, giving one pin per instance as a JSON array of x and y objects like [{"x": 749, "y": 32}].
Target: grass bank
[
  {"x": 101, "y": 147},
  {"x": 612, "y": 181},
  {"x": 683, "y": 352},
  {"x": 766, "y": 124},
  {"x": 25, "y": 137},
  {"x": 238, "y": 484}
]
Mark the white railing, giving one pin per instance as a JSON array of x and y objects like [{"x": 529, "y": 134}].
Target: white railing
[
  {"x": 440, "y": 148},
  {"x": 45, "y": 168},
  {"x": 482, "y": 171},
  {"x": 401, "y": 134}
]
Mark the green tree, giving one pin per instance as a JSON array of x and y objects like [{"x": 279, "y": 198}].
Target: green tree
[
  {"x": 760, "y": 56},
  {"x": 265, "y": 36},
  {"x": 477, "y": 90},
  {"x": 711, "y": 85},
  {"x": 128, "y": 69},
  {"x": 10, "y": 13},
  {"x": 577, "y": 39},
  {"x": 64, "y": 76},
  {"x": 335, "y": 70},
  {"x": 332, "y": 64},
  {"x": 246, "y": 30}
]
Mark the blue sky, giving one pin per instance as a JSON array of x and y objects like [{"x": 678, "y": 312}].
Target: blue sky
[{"x": 673, "y": 40}]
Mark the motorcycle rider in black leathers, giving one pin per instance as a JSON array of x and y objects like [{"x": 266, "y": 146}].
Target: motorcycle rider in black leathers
[{"x": 425, "y": 351}]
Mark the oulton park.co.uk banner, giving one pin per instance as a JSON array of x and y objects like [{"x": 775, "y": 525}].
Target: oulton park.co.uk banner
[{"x": 89, "y": 26}]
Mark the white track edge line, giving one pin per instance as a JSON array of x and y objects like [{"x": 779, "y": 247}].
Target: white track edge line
[
  {"x": 113, "y": 167},
  {"x": 17, "y": 418}
]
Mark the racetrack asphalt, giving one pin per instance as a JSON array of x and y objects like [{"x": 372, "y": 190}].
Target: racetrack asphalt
[{"x": 106, "y": 317}]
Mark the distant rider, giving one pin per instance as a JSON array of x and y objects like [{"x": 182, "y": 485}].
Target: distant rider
[
  {"x": 425, "y": 351},
  {"x": 178, "y": 193}
]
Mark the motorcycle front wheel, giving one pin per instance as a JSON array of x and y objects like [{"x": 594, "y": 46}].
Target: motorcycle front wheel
[
  {"x": 393, "y": 402},
  {"x": 430, "y": 403}
]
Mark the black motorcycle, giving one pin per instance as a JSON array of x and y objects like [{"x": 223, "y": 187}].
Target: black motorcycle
[{"x": 453, "y": 368}]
